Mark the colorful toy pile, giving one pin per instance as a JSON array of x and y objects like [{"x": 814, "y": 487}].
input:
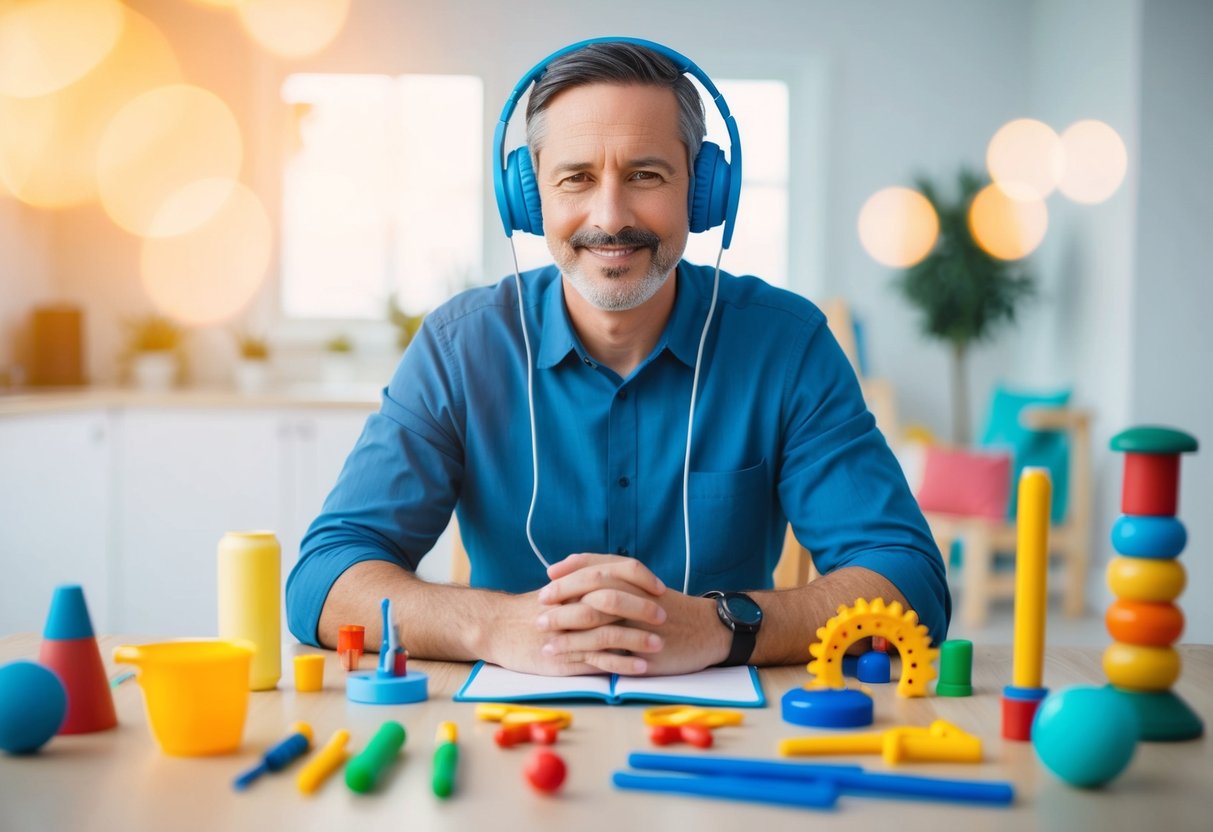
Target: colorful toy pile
[{"x": 1141, "y": 662}]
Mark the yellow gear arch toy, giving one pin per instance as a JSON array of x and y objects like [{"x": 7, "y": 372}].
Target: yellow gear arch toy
[{"x": 899, "y": 626}]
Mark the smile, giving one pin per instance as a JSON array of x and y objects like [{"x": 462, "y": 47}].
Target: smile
[{"x": 611, "y": 253}]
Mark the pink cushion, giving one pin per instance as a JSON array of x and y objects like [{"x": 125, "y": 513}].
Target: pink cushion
[{"x": 970, "y": 483}]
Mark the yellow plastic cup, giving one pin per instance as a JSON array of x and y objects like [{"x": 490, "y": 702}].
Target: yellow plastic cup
[
  {"x": 309, "y": 673},
  {"x": 196, "y": 692}
]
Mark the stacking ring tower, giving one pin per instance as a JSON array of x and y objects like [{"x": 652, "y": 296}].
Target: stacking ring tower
[{"x": 1146, "y": 578}]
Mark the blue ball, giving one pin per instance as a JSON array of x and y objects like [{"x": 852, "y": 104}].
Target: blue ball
[
  {"x": 1086, "y": 736},
  {"x": 33, "y": 704}
]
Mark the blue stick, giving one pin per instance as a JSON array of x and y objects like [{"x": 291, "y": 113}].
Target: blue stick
[
  {"x": 849, "y": 779},
  {"x": 809, "y": 795}
]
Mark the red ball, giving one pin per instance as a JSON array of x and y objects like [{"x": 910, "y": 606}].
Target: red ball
[{"x": 545, "y": 771}]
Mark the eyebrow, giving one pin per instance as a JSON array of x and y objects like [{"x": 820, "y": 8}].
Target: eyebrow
[{"x": 643, "y": 162}]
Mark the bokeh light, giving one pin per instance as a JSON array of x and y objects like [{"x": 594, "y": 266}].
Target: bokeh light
[
  {"x": 1025, "y": 158},
  {"x": 156, "y": 145},
  {"x": 47, "y": 44},
  {"x": 293, "y": 28},
  {"x": 48, "y": 145},
  {"x": 1007, "y": 228},
  {"x": 898, "y": 227},
  {"x": 1095, "y": 161},
  {"x": 207, "y": 275}
]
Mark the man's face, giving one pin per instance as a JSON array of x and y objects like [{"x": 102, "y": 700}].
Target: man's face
[{"x": 612, "y": 175}]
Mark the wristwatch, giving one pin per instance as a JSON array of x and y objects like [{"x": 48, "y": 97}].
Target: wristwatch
[{"x": 741, "y": 614}]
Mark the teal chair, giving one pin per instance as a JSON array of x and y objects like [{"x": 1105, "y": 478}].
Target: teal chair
[{"x": 1038, "y": 430}]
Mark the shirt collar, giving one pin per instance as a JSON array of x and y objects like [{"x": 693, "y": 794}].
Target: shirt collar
[{"x": 681, "y": 335}]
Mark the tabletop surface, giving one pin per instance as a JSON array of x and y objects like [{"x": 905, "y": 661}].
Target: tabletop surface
[{"x": 119, "y": 779}]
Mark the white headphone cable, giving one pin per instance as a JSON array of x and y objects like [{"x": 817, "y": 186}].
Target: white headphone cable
[
  {"x": 686, "y": 463},
  {"x": 530, "y": 400}
]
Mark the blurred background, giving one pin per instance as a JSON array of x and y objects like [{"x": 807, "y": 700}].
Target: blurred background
[{"x": 222, "y": 220}]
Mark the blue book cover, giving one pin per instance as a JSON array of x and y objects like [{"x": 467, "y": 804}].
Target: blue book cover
[{"x": 737, "y": 687}]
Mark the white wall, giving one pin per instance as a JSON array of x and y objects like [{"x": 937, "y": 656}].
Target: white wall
[
  {"x": 1086, "y": 64},
  {"x": 1172, "y": 348}
]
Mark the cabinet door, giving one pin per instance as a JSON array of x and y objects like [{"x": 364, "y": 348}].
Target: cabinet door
[
  {"x": 319, "y": 442},
  {"x": 54, "y": 515},
  {"x": 186, "y": 478}
]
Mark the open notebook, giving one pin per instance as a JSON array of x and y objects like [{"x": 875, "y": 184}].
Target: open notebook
[{"x": 732, "y": 686}]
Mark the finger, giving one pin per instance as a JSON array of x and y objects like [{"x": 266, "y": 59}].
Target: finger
[
  {"x": 573, "y": 616},
  {"x": 614, "y": 603},
  {"x": 616, "y": 663},
  {"x": 574, "y": 562},
  {"x": 601, "y": 639},
  {"x": 611, "y": 572}
]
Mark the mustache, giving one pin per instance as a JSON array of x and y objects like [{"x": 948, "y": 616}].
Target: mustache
[{"x": 628, "y": 237}]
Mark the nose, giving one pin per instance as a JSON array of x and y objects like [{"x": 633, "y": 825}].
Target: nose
[{"x": 611, "y": 209}]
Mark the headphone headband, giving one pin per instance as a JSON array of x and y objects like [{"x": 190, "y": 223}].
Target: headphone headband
[{"x": 721, "y": 203}]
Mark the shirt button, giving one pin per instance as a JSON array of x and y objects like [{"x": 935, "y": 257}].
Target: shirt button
[
  {"x": 588, "y": 362},
  {"x": 622, "y": 550},
  {"x": 623, "y": 394},
  {"x": 624, "y": 482}
]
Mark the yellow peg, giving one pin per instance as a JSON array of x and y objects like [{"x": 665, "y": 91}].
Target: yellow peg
[
  {"x": 521, "y": 714},
  {"x": 447, "y": 732},
  {"x": 326, "y": 761},
  {"x": 842, "y": 744},
  {"x": 941, "y": 742},
  {"x": 1031, "y": 569},
  {"x": 689, "y": 715}
]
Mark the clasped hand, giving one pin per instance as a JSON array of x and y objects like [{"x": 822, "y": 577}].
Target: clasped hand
[{"x": 613, "y": 614}]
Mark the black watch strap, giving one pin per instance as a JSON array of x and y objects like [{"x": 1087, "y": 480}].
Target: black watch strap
[{"x": 745, "y": 633}]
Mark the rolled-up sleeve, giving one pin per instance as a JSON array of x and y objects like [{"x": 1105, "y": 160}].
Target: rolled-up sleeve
[{"x": 843, "y": 490}]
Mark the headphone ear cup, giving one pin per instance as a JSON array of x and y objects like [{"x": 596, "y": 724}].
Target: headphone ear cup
[
  {"x": 522, "y": 193},
  {"x": 710, "y": 196}
]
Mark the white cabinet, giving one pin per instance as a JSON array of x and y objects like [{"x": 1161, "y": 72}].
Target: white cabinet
[
  {"x": 189, "y": 476},
  {"x": 186, "y": 477},
  {"x": 55, "y": 513},
  {"x": 131, "y": 502}
]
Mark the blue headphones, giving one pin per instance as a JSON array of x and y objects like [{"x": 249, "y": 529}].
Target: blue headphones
[{"x": 716, "y": 183}]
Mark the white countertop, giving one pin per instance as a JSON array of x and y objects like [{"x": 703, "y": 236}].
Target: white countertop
[{"x": 58, "y": 400}]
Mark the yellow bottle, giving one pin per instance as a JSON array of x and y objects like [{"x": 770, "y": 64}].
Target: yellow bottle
[{"x": 250, "y": 575}]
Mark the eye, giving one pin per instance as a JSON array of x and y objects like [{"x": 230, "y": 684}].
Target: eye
[
  {"x": 575, "y": 179},
  {"x": 643, "y": 175}
]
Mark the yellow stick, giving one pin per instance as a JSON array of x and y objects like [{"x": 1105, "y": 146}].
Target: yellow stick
[
  {"x": 1031, "y": 570},
  {"x": 326, "y": 761}
]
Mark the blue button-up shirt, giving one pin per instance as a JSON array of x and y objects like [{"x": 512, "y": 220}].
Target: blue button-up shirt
[{"x": 781, "y": 434}]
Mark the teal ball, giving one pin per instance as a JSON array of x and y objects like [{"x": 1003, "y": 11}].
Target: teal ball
[
  {"x": 33, "y": 704},
  {"x": 1085, "y": 736}
]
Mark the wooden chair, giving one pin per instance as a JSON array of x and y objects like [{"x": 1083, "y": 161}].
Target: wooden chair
[
  {"x": 1069, "y": 541},
  {"x": 794, "y": 569}
]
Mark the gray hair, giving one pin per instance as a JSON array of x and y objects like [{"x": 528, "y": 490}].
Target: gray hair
[{"x": 614, "y": 62}]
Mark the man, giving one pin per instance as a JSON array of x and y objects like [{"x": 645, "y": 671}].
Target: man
[{"x": 577, "y": 529}]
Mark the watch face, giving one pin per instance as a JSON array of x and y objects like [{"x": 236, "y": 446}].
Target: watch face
[{"x": 743, "y": 609}]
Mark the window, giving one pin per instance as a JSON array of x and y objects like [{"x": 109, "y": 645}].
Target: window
[
  {"x": 382, "y": 193},
  {"x": 760, "y": 240}
]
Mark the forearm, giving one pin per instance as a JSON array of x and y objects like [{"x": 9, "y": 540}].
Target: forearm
[
  {"x": 791, "y": 617},
  {"x": 435, "y": 621}
]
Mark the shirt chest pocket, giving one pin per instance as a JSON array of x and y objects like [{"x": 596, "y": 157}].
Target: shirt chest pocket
[{"x": 729, "y": 511}]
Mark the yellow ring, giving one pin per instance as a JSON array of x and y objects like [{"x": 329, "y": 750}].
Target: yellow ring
[{"x": 1146, "y": 579}]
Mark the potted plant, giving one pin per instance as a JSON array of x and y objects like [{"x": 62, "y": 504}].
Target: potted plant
[
  {"x": 154, "y": 352},
  {"x": 338, "y": 367},
  {"x": 406, "y": 324},
  {"x": 252, "y": 370},
  {"x": 963, "y": 293}
]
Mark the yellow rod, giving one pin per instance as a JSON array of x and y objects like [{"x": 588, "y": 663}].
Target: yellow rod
[
  {"x": 1031, "y": 571},
  {"x": 326, "y": 761}
]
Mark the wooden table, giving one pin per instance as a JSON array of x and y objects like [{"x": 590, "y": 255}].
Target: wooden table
[{"x": 119, "y": 779}]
